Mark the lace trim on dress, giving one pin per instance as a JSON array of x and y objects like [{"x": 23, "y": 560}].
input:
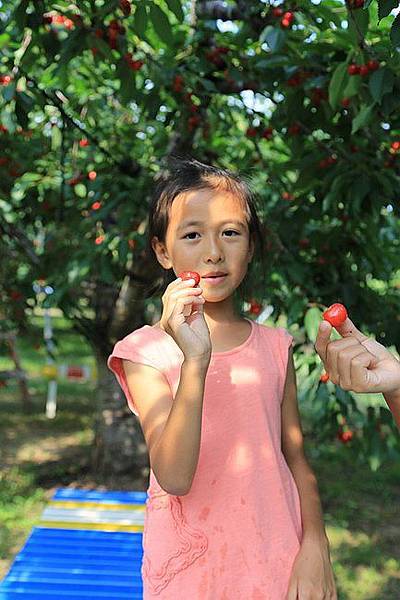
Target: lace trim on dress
[{"x": 193, "y": 543}]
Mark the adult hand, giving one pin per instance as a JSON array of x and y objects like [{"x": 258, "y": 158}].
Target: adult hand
[{"x": 356, "y": 362}]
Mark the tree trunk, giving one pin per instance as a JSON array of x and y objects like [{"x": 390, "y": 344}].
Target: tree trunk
[{"x": 119, "y": 446}]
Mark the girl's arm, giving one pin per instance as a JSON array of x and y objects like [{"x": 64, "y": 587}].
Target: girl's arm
[
  {"x": 312, "y": 569},
  {"x": 293, "y": 450}
]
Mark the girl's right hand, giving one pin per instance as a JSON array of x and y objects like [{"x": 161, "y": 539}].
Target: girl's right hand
[{"x": 188, "y": 329}]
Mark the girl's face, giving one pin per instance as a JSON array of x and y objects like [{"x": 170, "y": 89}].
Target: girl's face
[{"x": 218, "y": 242}]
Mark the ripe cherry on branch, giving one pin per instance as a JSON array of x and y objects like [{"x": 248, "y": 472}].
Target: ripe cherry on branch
[
  {"x": 178, "y": 82},
  {"x": 267, "y": 133},
  {"x": 352, "y": 4},
  {"x": 287, "y": 19},
  {"x": 5, "y": 79},
  {"x": 255, "y": 307},
  {"x": 345, "y": 436},
  {"x": 251, "y": 132},
  {"x": 125, "y": 6},
  {"x": 294, "y": 129},
  {"x": 336, "y": 314}
]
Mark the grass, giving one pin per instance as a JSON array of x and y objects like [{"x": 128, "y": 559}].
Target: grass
[{"x": 39, "y": 454}]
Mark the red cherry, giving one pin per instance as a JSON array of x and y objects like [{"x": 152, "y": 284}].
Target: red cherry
[
  {"x": 294, "y": 81},
  {"x": 255, "y": 307},
  {"x": 287, "y": 196},
  {"x": 395, "y": 146},
  {"x": 83, "y": 142},
  {"x": 136, "y": 65},
  {"x": 92, "y": 175},
  {"x": 125, "y": 6},
  {"x": 193, "y": 122},
  {"x": 373, "y": 65},
  {"x": 99, "y": 239},
  {"x": 96, "y": 205},
  {"x": 185, "y": 275},
  {"x": 267, "y": 133},
  {"x": 289, "y": 16},
  {"x": 345, "y": 102},
  {"x": 345, "y": 436},
  {"x": 251, "y": 132},
  {"x": 364, "y": 70},
  {"x": 324, "y": 377},
  {"x": 277, "y": 12},
  {"x": 336, "y": 314},
  {"x": 285, "y": 23},
  {"x": 178, "y": 83},
  {"x": 353, "y": 69},
  {"x": 304, "y": 243},
  {"x": 5, "y": 79},
  {"x": 294, "y": 129}
]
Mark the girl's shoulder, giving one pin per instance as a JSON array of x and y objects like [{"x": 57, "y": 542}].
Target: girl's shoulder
[{"x": 273, "y": 332}]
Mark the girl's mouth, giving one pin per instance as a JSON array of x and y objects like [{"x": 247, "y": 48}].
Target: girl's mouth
[{"x": 214, "y": 280}]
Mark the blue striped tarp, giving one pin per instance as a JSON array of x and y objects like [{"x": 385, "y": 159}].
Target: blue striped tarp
[{"x": 88, "y": 544}]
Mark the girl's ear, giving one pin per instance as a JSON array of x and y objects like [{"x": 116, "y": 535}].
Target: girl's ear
[{"x": 160, "y": 251}]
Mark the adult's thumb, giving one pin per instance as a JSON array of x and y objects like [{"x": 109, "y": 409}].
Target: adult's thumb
[{"x": 348, "y": 329}]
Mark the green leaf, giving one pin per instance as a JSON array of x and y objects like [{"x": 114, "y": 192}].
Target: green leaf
[
  {"x": 161, "y": 24},
  {"x": 337, "y": 84},
  {"x": 4, "y": 39},
  {"x": 357, "y": 192},
  {"x": 20, "y": 14},
  {"x": 385, "y": 7},
  {"x": 380, "y": 83},
  {"x": 21, "y": 113},
  {"x": 311, "y": 322},
  {"x": 362, "y": 118},
  {"x": 128, "y": 81},
  {"x": 274, "y": 36},
  {"x": 358, "y": 24},
  {"x": 175, "y": 7},
  {"x": 72, "y": 47},
  {"x": 140, "y": 20},
  {"x": 395, "y": 31},
  {"x": 353, "y": 86},
  {"x": 9, "y": 91},
  {"x": 80, "y": 190},
  {"x": 56, "y": 137}
]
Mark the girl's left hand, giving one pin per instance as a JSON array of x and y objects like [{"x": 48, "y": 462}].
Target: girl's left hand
[{"x": 312, "y": 575}]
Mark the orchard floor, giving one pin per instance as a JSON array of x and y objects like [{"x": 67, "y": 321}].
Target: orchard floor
[{"x": 361, "y": 507}]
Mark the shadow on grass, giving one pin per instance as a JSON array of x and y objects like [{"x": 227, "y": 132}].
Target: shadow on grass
[{"x": 363, "y": 522}]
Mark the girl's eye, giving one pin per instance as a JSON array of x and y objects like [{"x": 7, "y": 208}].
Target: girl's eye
[{"x": 228, "y": 230}]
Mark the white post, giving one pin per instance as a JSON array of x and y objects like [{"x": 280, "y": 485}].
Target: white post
[{"x": 51, "y": 403}]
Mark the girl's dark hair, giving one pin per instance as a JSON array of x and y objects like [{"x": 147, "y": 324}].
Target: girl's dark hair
[{"x": 187, "y": 174}]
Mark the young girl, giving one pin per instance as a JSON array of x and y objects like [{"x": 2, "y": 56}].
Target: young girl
[{"x": 233, "y": 511}]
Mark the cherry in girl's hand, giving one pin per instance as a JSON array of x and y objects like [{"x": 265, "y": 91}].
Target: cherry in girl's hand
[
  {"x": 336, "y": 314},
  {"x": 190, "y": 275},
  {"x": 186, "y": 275}
]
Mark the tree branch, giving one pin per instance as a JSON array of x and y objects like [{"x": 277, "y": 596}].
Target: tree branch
[{"x": 132, "y": 169}]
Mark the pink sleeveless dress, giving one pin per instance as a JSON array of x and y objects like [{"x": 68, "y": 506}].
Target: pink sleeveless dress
[{"x": 235, "y": 535}]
